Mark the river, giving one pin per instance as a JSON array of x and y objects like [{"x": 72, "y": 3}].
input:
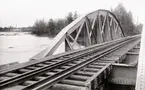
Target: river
[{"x": 20, "y": 46}]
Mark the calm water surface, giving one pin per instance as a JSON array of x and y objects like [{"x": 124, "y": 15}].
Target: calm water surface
[{"x": 18, "y": 46}]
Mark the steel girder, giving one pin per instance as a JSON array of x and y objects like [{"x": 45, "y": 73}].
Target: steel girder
[
  {"x": 123, "y": 74},
  {"x": 93, "y": 28}
]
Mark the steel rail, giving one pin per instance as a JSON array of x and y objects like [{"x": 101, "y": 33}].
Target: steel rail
[
  {"x": 36, "y": 72},
  {"x": 51, "y": 80},
  {"x": 79, "y": 66},
  {"x": 45, "y": 59},
  {"x": 64, "y": 55}
]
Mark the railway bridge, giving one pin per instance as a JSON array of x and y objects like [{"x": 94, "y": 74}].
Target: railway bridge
[{"x": 99, "y": 56}]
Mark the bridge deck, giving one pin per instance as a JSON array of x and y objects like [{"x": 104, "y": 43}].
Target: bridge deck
[{"x": 67, "y": 68}]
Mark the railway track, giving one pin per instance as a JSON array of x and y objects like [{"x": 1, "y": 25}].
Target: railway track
[{"x": 81, "y": 66}]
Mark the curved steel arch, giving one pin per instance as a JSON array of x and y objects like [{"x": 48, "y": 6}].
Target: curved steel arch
[{"x": 93, "y": 28}]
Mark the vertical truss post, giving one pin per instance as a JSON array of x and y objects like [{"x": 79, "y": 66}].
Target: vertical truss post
[
  {"x": 89, "y": 30},
  {"x": 108, "y": 29},
  {"x": 100, "y": 37}
]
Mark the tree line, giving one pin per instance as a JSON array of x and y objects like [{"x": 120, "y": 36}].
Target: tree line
[
  {"x": 126, "y": 20},
  {"x": 6, "y": 29},
  {"x": 53, "y": 27}
]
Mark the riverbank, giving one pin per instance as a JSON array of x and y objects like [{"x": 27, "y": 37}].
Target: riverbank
[{"x": 20, "y": 46}]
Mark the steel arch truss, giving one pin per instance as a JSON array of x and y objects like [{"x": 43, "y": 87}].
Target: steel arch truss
[{"x": 93, "y": 28}]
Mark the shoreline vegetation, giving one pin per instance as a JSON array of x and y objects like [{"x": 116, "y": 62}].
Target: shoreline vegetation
[{"x": 52, "y": 27}]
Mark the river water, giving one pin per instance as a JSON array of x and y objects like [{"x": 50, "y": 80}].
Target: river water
[{"x": 20, "y": 46}]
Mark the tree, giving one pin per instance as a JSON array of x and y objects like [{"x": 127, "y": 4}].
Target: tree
[
  {"x": 139, "y": 28},
  {"x": 60, "y": 24},
  {"x": 69, "y": 18},
  {"x": 39, "y": 27},
  {"x": 1, "y": 28},
  {"x": 51, "y": 26},
  {"x": 125, "y": 19},
  {"x": 75, "y": 16}
]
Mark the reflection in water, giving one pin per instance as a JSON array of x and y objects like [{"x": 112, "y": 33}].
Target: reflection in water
[{"x": 18, "y": 46}]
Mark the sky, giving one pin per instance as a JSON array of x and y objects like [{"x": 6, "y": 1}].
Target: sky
[{"x": 23, "y": 13}]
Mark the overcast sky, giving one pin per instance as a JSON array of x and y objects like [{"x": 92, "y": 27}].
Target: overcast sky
[{"x": 26, "y": 12}]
